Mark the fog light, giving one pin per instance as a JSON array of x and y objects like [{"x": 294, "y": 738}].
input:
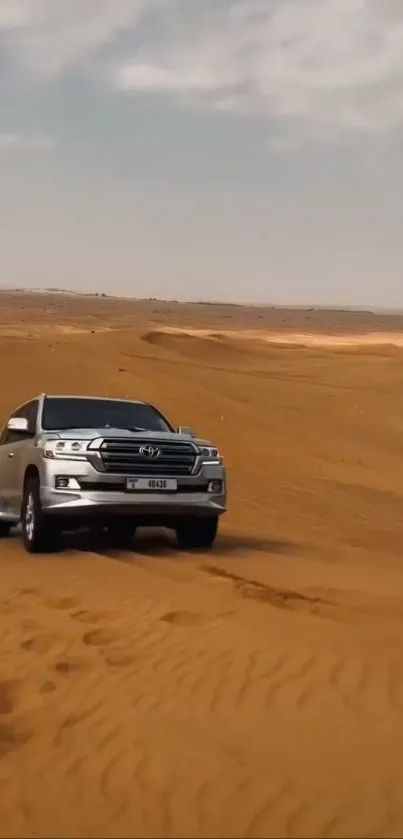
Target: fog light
[
  {"x": 215, "y": 486},
  {"x": 64, "y": 482}
]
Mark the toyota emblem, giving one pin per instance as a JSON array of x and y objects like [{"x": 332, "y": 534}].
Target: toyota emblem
[{"x": 150, "y": 451}]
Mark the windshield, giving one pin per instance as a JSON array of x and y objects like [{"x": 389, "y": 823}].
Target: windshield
[{"x": 61, "y": 413}]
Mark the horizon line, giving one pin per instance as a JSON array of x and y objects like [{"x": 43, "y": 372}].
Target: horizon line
[{"x": 308, "y": 307}]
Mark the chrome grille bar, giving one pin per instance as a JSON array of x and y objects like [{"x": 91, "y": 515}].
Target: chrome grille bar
[{"x": 122, "y": 456}]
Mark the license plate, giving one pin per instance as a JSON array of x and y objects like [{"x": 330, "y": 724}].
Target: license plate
[{"x": 151, "y": 485}]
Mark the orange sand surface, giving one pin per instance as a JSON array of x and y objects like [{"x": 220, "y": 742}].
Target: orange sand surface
[{"x": 253, "y": 691}]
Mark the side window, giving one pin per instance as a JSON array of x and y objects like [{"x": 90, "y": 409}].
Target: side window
[
  {"x": 31, "y": 412},
  {"x": 6, "y": 434},
  {"x": 28, "y": 411}
]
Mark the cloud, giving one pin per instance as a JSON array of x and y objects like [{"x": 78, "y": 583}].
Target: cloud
[
  {"x": 314, "y": 68},
  {"x": 20, "y": 142},
  {"x": 319, "y": 66},
  {"x": 44, "y": 38}
]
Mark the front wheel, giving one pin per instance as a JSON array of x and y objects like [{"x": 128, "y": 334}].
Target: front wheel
[
  {"x": 38, "y": 533},
  {"x": 197, "y": 533}
]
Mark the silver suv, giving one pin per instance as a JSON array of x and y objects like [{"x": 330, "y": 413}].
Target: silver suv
[{"x": 73, "y": 461}]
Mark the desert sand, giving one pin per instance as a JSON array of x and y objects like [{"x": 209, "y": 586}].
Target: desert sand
[{"x": 253, "y": 691}]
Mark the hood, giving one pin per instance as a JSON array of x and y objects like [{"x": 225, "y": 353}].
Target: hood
[{"x": 93, "y": 433}]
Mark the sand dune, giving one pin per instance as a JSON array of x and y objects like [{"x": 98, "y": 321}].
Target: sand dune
[
  {"x": 284, "y": 338},
  {"x": 256, "y": 691}
]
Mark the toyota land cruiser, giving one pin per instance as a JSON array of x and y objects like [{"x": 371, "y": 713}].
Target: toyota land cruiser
[{"x": 73, "y": 461}]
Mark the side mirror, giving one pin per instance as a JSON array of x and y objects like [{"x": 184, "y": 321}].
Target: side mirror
[
  {"x": 19, "y": 424},
  {"x": 184, "y": 429}
]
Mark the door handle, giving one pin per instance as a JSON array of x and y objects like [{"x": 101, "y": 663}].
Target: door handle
[{"x": 11, "y": 454}]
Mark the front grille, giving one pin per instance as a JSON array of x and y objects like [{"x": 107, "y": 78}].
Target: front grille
[{"x": 122, "y": 457}]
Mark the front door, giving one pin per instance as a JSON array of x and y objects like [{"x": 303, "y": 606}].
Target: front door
[
  {"x": 13, "y": 459},
  {"x": 7, "y": 457}
]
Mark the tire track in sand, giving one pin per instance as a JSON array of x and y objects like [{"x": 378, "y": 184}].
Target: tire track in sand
[{"x": 170, "y": 744}]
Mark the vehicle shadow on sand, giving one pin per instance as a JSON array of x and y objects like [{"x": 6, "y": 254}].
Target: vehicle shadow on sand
[{"x": 162, "y": 543}]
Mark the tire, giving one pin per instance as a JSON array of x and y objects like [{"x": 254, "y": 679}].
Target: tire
[
  {"x": 5, "y": 528},
  {"x": 120, "y": 534},
  {"x": 39, "y": 534},
  {"x": 197, "y": 533}
]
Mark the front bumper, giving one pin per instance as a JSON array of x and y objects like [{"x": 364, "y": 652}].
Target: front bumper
[{"x": 103, "y": 495}]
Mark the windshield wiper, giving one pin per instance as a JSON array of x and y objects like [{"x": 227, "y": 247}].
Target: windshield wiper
[
  {"x": 127, "y": 427},
  {"x": 84, "y": 427}
]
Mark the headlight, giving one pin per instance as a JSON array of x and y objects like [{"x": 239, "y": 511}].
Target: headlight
[
  {"x": 65, "y": 449},
  {"x": 209, "y": 453}
]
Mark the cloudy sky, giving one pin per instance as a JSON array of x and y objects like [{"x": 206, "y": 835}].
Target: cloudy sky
[{"x": 249, "y": 150}]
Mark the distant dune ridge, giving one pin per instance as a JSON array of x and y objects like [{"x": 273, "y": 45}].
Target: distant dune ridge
[
  {"x": 256, "y": 691},
  {"x": 299, "y": 339}
]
